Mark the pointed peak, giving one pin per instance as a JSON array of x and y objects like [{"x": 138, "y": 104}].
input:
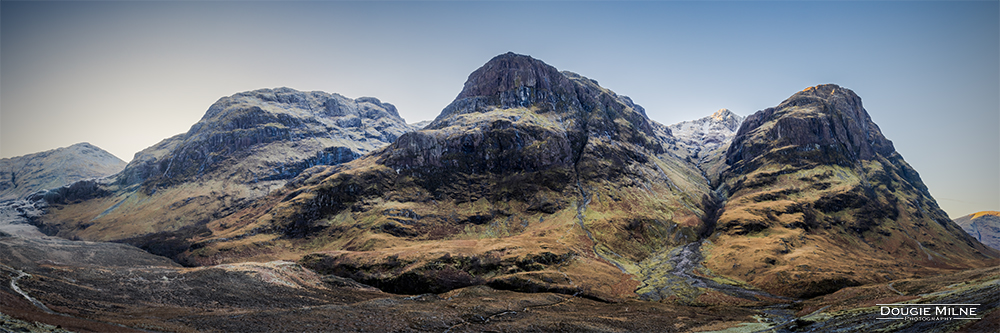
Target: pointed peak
[
  {"x": 826, "y": 91},
  {"x": 82, "y": 145},
  {"x": 985, "y": 213},
  {"x": 723, "y": 114},
  {"x": 511, "y": 71}
]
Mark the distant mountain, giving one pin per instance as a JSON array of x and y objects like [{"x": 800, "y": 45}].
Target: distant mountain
[
  {"x": 420, "y": 124},
  {"x": 819, "y": 199},
  {"x": 245, "y": 146},
  {"x": 24, "y": 175},
  {"x": 706, "y": 140},
  {"x": 984, "y": 226}
]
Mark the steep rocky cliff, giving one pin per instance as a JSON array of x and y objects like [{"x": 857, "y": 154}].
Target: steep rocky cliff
[
  {"x": 818, "y": 199},
  {"x": 984, "y": 226},
  {"x": 245, "y": 146},
  {"x": 24, "y": 175}
]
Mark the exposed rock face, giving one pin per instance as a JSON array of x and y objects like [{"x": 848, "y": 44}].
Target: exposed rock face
[
  {"x": 706, "y": 140},
  {"x": 245, "y": 146},
  {"x": 24, "y": 175},
  {"x": 984, "y": 226},
  {"x": 818, "y": 193},
  {"x": 532, "y": 179},
  {"x": 827, "y": 118}
]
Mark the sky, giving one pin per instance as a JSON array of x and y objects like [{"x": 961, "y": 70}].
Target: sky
[{"x": 125, "y": 75}]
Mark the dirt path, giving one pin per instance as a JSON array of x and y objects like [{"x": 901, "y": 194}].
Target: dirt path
[{"x": 16, "y": 288}]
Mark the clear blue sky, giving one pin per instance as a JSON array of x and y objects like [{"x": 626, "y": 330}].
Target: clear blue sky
[{"x": 124, "y": 75}]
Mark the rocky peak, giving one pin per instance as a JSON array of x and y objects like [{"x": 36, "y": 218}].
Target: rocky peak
[
  {"x": 510, "y": 81},
  {"x": 825, "y": 117},
  {"x": 516, "y": 80},
  {"x": 514, "y": 101},
  {"x": 704, "y": 141},
  {"x": 722, "y": 122},
  {"x": 727, "y": 119}
]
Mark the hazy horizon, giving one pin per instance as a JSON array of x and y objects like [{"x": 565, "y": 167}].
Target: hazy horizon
[{"x": 125, "y": 75}]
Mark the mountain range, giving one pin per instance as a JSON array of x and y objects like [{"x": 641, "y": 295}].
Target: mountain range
[{"x": 540, "y": 181}]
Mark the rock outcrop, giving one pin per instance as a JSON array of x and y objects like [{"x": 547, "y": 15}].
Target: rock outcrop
[
  {"x": 23, "y": 175},
  {"x": 245, "y": 146},
  {"x": 984, "y": 226}
]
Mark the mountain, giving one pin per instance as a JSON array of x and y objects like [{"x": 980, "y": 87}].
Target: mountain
[
  {"x": 536, "y": 200},
  {"x": 819, "y": 199},
  {"x": 984, "y": 226},
  {"x": 531, "y": 179},
  {"x": 24, "y": 175},
  {"x": 245, "y": 146},
  {"x": 420, "y": 124},
  {"x": 706, "y": 140}
]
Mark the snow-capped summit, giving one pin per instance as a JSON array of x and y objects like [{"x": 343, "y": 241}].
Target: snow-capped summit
[{"x": 706, "y": 134}]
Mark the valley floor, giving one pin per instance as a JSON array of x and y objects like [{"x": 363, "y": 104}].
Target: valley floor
[{"x": 50, "y": 284}]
